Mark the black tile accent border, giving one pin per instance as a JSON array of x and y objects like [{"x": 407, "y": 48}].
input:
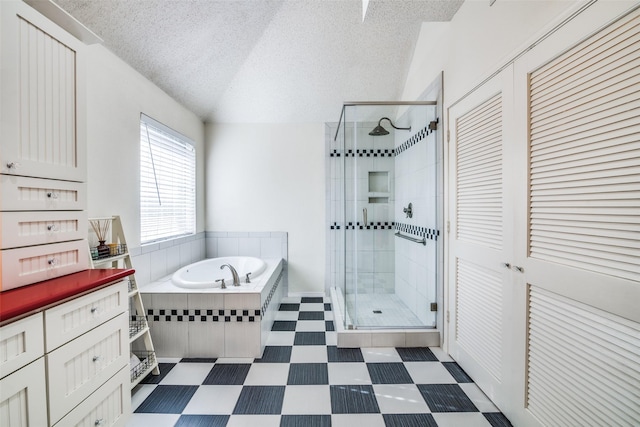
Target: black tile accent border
[
  {"x": 413, "y": 140},
  {"x": 371, "y": 152},
  {"x": 267, "y": 300},
  {"x": 190, "y": 316},
  {"x": 428, "y": 233}
]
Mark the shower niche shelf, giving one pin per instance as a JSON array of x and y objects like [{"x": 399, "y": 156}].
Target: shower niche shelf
[
  {"x": 373, "y": 200},
  {"x": 378, "y": 182}
]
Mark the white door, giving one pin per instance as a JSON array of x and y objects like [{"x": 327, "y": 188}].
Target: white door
[
  {"x": 481, "y": 242},
  {"x": 578, "y": 221},
  {"x": 554, "y": 339}
]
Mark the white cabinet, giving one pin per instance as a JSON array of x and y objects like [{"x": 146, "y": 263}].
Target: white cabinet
[
  {"x": 109, "y": 406},
  {"x": 68, "y": 321},
  {"x": 23, "y": 397},
  {"x": 80, "y": 367},
  {"x": 43, "y": 156},
  {"x": 43, "y": 124},
  {"x": 22, "y": 373},
  {"x": 68, "y": 365},
  {"x": 20, "y": 343}
]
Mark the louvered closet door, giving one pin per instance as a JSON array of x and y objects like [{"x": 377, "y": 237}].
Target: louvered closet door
[
  {"x": 480, "y": 236},
  {"x": 578, "y": 230}
]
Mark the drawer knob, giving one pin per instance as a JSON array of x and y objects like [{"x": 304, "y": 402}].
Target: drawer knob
[
  {"x": 94, "y": 310},
  {"x": 52, "y": 261},
  {"x": 52, "y": 195},
  {"x": 96, "y": 358},
  {"x": 99, "y": 422},
  {"x": 52, "y": 227},
  {"x": 12, "y": 166}
]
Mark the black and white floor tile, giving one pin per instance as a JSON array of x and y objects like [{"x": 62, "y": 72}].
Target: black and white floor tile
[{"x": 304, "y": 380}]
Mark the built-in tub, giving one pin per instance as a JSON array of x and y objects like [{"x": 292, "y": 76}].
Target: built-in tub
[
  {"x": 208, "y": 272},
  {"x": 202, "y": 320}
]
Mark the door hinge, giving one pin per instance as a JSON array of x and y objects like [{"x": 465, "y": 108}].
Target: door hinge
[
  {"x": 447, "y": 316},
  {"x": 434, "y": 306},
  {"x": 448, "y": 226},
  {"x": 448, "y": 135},
  {"x": 434, "y": 124}
]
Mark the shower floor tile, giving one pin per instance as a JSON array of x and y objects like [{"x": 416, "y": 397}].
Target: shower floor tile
[{"x": 303, "y": 379}]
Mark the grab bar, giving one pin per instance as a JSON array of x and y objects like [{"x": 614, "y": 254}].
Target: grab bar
[{"x": 413, "y": 239}]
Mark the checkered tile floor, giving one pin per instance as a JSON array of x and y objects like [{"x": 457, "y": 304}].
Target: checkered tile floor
[{"x": 304, "y": 380}]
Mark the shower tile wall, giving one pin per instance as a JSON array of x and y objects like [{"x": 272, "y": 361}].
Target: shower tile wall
[
  {"x": 415, "y": 180},
  {"x": 368, "y": 185}
]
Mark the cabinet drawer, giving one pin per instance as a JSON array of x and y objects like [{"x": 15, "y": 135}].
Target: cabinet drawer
[
  {"x": 78, "y": 368},
  {"x": 109, "y": 406},
  {"x": 21, "y": 342},
  {"x": 20, "y": 229},
  {"x": 72, "y": 319},
  {"x": 20, "y": 193},
  {"x": 23, "y": 266},
  {"x": 23, "y": 397}
]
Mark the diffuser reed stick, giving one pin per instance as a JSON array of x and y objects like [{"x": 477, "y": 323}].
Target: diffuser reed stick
[{"x": 101, "y": 228}]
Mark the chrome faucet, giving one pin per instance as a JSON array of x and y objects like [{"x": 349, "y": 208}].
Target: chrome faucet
[{"x": 234, "y": 274}]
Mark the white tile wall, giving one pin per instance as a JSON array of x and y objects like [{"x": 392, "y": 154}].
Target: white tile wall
[{"x": 155, "y": 261}]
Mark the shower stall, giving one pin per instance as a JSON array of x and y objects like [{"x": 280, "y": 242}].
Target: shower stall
[{"x": 384, "y": 210}]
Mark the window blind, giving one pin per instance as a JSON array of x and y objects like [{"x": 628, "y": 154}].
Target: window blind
[{"x": 167, "y": 183}]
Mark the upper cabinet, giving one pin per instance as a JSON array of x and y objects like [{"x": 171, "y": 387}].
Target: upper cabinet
[{"x": 42, "y": 97}]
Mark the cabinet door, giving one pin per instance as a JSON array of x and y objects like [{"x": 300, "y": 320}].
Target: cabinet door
[
  {"x": 80, "y": 367},
  {"x": 23, "y": 398},
  {"x": 42, "y": 97},
  {"x": 21, "y": 343}
]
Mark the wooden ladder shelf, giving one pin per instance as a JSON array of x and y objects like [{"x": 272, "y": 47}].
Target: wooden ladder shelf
[{"x": 115, "y": 254}]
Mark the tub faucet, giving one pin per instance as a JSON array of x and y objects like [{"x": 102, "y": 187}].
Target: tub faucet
[{"x": 234, "y": 274}]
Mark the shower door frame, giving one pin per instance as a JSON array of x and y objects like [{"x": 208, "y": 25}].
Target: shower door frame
[{"x": 353, "y": 324}]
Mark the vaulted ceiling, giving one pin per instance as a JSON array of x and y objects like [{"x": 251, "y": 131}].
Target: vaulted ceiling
[{"x": 265, "y": 60}]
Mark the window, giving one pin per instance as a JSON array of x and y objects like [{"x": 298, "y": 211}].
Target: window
[{"x": 167, "y": 183}]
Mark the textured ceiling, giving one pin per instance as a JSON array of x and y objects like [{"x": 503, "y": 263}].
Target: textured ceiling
[{"x": 263, "y": 60}]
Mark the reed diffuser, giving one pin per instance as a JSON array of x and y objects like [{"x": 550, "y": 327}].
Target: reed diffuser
[{"x": 101, "y": 228}]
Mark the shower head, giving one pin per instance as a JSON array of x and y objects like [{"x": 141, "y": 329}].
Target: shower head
[{"x": 379, "y": 130}]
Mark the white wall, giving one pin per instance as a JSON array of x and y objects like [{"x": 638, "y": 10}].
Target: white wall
[
  {"x": 478, "y": 40},
  {"x": 270, "y": 178},
  {"x": 116, "y": 95}
]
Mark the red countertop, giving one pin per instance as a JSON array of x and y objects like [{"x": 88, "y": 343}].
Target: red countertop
[{"x": 21, "y": 302}]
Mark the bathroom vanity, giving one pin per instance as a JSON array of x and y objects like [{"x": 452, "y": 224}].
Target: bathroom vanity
[{"x": 64, "y": 351}]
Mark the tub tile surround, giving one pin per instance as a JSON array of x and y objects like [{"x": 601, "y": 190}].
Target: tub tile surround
[{"x": 212, "y": 322}]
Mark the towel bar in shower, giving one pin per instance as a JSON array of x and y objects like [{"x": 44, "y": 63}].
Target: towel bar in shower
[{"x": 413, "y": 239}]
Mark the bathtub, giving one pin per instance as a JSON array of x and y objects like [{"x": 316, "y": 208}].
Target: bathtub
[
  {"x": 205, "y": 273},
  {"x": 196, "y": 318}
]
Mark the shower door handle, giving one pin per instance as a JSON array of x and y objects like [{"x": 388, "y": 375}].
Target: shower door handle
[{"x": 364, "y": 216}]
